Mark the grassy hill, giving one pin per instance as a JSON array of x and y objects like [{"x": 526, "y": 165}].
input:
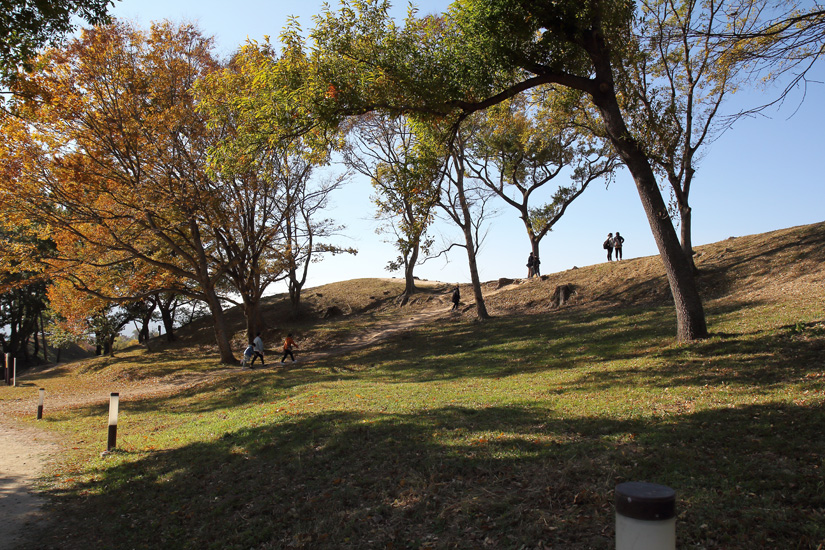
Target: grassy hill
[{"x": 451, "y": 433}]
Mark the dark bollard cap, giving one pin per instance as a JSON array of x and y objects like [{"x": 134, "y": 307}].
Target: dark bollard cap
[{"x": 645, "y": 501}]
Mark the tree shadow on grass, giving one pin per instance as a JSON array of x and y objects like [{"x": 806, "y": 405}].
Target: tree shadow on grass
[
  {"x": 507, "y": 345},
  {"x": 498, "y": 477}
]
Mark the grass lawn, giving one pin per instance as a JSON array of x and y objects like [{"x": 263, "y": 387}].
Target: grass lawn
[{"x": 511, "y": 433}]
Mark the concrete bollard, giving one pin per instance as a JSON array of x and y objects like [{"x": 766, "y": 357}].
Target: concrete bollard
[
  {"x": 14, "y": 374},
  {"x": 113, "y": 406},
  {"x": 7, "y": 371},
  {"x": 40, "y": 404},
  {"x": 645, "y": 516}
]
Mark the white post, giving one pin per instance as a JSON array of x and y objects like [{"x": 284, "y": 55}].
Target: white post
[
  {"x": 40, "y": 404},
  {"x": 113, "y": 405},
  {"x": 645, "y": 517}
]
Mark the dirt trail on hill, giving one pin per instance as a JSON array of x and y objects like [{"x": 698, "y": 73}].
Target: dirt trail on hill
[{"x": 25, "y": 450}]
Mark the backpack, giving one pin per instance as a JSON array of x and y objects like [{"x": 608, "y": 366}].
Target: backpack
[{"x": 606, "y": 244}]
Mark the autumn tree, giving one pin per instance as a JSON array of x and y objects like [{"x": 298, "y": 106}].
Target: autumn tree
[
  {"x": 22, "y": 306},
  {"x": 87, "y": 316},
  {"x": 481, "y": 53},
  {"x": 522, "y": 145},
  {"x": 273, "y": 184},
  {"x": 303, "y": 230},
  {"x": 28, "y": 27},
  {"x": 112, "y": 157},
  {"x": 59, "y": 338},
  {"x": 162, "y": 305},
  {"x": 466, "y": 201},
  {"x": 674, "y": 77},
  {"x": 23, "y": 298},
  {"x": 386, "y": 150},
  {"x": 789, "y": 39}
]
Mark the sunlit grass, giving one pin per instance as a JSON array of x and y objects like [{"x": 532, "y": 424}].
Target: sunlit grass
[
  {"x": 464, "y": 432},
  {"x": 511, "y": 433}
]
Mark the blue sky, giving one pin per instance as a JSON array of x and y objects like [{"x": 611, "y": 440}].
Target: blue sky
[{"x": 765, "y": 173}]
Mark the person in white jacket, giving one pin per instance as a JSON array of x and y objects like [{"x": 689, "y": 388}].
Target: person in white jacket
[{"x": 259, "y": 348}]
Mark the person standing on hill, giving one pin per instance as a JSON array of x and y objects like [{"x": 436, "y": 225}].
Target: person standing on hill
[
  {"x": 608, "y": 245},
  {"x": 289, "y": 343},
  {"x": 259, "y": 349},
  {"x": 456, "y": 298},
  {"x": 536, "y": 263},
  {"x": 618, "y": 240},
  {"x": 531, "y": 261}
]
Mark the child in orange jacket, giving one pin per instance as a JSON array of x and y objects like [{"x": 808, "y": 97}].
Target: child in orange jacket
[{"x": 288, "y": 345}]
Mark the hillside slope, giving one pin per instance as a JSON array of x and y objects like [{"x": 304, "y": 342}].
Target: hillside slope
[
  {"x": 451, "y": 433},
  {"x": 784, "y": 265}
]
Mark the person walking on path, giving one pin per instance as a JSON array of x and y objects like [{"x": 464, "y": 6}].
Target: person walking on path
[
  {"x": 608, "y": 245},
  {"x": 248, "y": 356},
  {"x": 531, "y": 261},
  {"x": 259, "y": 349},
  {"x": 289, "y": 343},
  {"x": 617, "y": 245},
  {"x": 456, "y": 298}
]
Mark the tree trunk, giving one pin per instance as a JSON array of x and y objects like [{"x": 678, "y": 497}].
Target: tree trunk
[
  {"x": 144, "y": 334},
  {"x": 110, "y": 345},
  {"x": 168, "y": 323},
  {"x": 409, "y": 277},
  {"x": 221, "y": 330},
  {"x": 690, "y": 315},
  {"x": 481, "y": 308},
  {"x": 254, "y": 321},
  {"x": 685, "y": 215},
  {"x": 295, "y": 286},
  {"x": 43, "y": 335},
  {"x": 467, "y": 227},
  {"x": 534, "y": 248}
]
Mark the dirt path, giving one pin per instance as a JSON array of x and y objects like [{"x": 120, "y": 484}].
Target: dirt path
[
  {"x": 24, "y": 450},
  {"x": 23, "y": 453}
]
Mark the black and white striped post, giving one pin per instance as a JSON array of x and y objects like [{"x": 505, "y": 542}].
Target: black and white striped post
[
  {"x": 114, "y": 400},
  {"x": 645, "y": 516},
  {"x": 40, "y": 404}
]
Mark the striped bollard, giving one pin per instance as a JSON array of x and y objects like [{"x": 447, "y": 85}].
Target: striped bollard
[
  {"x": 645, "y": 516},
  {"x": 113, "y": 406},
  {"x": 40, "y": 404}
]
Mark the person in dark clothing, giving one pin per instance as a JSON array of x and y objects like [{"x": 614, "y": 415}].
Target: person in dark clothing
[
  {"x": 531, "y": 261},
  {"x": 456, "y": 298},
  {"x": 608, "y": 245},
  {"x": 536, "y": 263},
  {"x": 618, "y": 240}
]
